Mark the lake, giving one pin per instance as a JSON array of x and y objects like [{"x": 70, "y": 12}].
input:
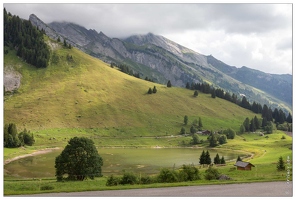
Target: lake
[{"x": 116, "y": 160}]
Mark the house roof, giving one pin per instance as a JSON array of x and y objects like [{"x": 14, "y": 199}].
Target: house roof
[{"x": 243, "y": 164}]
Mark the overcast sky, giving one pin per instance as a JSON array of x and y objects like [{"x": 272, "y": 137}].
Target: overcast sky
[{"x": 258, "y": 36}]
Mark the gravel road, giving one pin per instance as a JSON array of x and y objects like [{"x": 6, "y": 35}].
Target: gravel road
[{"x": 266, "y": 189}]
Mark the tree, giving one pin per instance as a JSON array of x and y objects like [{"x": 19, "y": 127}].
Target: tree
[
  {"x": 213, "y": 94},
  {"x": 222, "y": 139},
  {"x": 150, "y": 91},
  {"x": 195, "y": 93},
  {"x": 199, "y": 123},
  {"x": 169, "y": 84},
  {"x": 195, "y": 139},
  {"x": 223, "y": 160},
  {"x": 213, "y": 140},
  {"x": 202, "y": 158},
  {"x": 257, "y": 123},
  {"x": 185, "y": 119},
  {"x": 192, "y": 129},
  {"x": 11, "y": 139},
  {"x": 79, "y": 160},
  {"x": 183, "y": 131},
  {"x": 208, "y": 159},
  {"x": 239, "y": 159},
  {"x": 247, "y": 124},
  {"x": 217, "y": 159},
  {"x": 65, "y": 43},
  {"x": 281, "y": 165},
  {"x": 242, "y": 129},
  {"x": 289, "y": 118},
  {"x": 154, "y": 89},
  {"x": 26, "y": 138}
]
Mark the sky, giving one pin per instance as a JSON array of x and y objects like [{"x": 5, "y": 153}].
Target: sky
[{"x": 255, "y": 35}]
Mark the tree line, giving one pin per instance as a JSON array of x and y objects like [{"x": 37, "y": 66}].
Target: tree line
[
  {"x": 276, "y": 115},
  {"x": 28, "y": 41}
]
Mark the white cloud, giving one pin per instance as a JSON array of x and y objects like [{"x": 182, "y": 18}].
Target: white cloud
[{"x": 258, "y": 36}]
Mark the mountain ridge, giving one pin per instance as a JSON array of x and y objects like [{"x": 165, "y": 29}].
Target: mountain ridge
[{"x": 162, "y": 59}]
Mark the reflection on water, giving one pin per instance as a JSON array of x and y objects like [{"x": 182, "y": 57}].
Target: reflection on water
[{"x": 145, "y": 161}]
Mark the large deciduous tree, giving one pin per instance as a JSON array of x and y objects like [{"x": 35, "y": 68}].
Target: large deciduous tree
[{"x": 79, "y": 160}]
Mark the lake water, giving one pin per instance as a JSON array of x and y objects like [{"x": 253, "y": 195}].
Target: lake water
[{"x": 145, "y": 161}]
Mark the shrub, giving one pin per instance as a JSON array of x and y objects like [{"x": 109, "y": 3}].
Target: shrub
[
  {"x": 212, "y": 173},
  {"x": 283, "y": 137},
  {"x": 112, "y": 181},
  {"x": 146, "y": 180},
  {"x": 188, "y": 173},
  {"x": 167, "y": 176},
  {"x": 129, "y": 178}
]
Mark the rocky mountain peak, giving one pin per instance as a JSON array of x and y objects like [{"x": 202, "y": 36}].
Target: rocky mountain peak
[{"x": 41, "y": 25}]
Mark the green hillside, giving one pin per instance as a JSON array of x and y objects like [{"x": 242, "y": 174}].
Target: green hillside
[{"x": 80, "y": 91}]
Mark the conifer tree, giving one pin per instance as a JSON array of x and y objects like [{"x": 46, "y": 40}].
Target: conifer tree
[
  {"x": 202, "y": 158},
  {"x": 169, "y": 84},
  {"x": 154, "y": 89},
  {"x": 208, "y": 158},
  {"x": 217, "y": 159},
  {"x": 239, "y": 159},
  {"x": 150, "y": 91},
  {"x": 281, "y": 165},
  {"x": 223, "y": 160},
  {"x": 185, "y": 119}
]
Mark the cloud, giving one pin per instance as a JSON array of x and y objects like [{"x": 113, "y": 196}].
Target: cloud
[{"x": 253, "y": 35}]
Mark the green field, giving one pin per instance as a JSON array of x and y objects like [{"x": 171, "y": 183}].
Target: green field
[{"x": 86, "y": 97}]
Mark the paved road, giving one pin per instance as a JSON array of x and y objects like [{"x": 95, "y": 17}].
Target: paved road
[{"x": 267, "y": 189}]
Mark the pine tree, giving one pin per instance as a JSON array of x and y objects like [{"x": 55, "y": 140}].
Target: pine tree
[
  {"x": 169, "y": 84},
  {"x": 154, "y": 89},
  {"x": 239, "y": 159},
  {"x": 150, "y": 91},
  {"x": 195, "y": 93},
  {"x": 289, "y": 118},
  {"x": 185, "y": 119},
  {"x": 281, "y": 165},
  {"x": 208, "y": 158},
  {"x": 183, "y": 131},
  {"x": 202, "y": 158},
  {"x": 217, "y": 159},
  {"x": 223, "y": 160}
]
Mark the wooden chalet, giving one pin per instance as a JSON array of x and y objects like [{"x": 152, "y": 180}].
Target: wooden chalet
[{"x": 240, "y": 165}]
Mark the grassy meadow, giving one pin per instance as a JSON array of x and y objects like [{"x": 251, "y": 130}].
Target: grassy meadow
[{"x": 78, "y": 95}]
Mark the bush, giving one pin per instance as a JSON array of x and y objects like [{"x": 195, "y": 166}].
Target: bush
[
  {"x": 212, "y": 174},
  {"x": 283, "y": 137},
  {"x": 129, "y": 178},
  {"x": 112, "y": 181},
  {"x": 167, "y": 176},
  {"x": 146, "y": 180},
  {"x": 188, "y": 173}
]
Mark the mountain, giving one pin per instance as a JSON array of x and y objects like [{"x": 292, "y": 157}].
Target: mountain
[
  {"x": 161, "y": 60},
  {"x": 80, "y": 92}
]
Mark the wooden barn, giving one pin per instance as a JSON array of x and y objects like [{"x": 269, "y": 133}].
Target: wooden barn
[{"x": 240, "y": 165}]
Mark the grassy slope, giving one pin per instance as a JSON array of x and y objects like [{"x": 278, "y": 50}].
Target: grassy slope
[{"x": 86, "y": 93}]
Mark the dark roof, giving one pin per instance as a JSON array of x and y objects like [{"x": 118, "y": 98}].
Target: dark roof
[{"x": 243, "y": 164}]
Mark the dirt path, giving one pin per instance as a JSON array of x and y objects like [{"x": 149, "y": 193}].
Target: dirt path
[{"x": 42, "y": 151}]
